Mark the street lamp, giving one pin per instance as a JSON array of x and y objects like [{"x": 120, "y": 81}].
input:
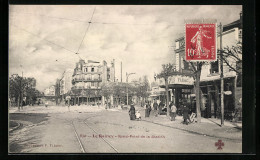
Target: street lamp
[{"x": 127, "y": 75}]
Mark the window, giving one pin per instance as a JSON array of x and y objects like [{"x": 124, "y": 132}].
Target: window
[
  {"x": 177, "y": 45},
  {"x": 92, "y": 69},
  {"x": 89, "y": 77},
  {"x": 214, "y": 67},
  {"x": 86, "y": 69},
  {"x": 92, "y": 84},
  {"x": 182, "y": 63}
]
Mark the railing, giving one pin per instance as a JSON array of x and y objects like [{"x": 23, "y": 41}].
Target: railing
[{"x": 86, "y": 79}]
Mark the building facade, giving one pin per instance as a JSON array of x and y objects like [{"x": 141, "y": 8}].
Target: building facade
[
  {"x": 182, "y": 84},
  {"x": 50, "y": 91},
  {"x": 87, "y": 79},
  {"x": 66, "y": 81}
]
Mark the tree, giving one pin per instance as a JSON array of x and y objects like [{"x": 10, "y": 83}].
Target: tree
[
  {"x": 29, "y": 90},
  {"x": 232, "y": 57},
  {"x": 22, "y": 86},
  {"x": 106, "y": 90},
  {"x": 167, "y": 70},
  {"x": 141, "y": 89},
  {"x": 15, "y": 88},
  {"x": 88, "y": 92},
  {"x": 196, "y": 77}
]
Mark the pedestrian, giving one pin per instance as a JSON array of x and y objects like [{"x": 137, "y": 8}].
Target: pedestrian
[
  {"x": 132, "y": 112},
  {"x": 149, "y": 108},
  {"x": 146, "y": 110},
  {"x": 138, "y": 115},
  {"x": 173, "y": 112},
  {"x": 46, "y": 104},
  {"x": 109, "y": 105},
  {"x": 155, "y": 105},
  {"x": 160, "y": 108},
  {"x": 105, "y": 104},
  {"x": 186, "y": 116}
]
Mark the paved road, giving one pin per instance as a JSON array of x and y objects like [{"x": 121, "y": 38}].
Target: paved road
[{"x": 109, "y": 132}]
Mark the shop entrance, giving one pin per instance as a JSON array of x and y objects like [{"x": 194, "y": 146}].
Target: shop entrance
[{"x": 211, "y": 105}]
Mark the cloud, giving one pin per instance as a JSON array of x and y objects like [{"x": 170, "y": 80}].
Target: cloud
[{"x": 44, "y": 39}]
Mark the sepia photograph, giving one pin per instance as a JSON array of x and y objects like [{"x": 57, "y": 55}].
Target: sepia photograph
[{"x": 125, "y": 79}]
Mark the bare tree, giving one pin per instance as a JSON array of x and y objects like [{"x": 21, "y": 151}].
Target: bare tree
[
  {"x": 196, "y": 76},
  {"x": 233, "y": 55},
  {"x": 167, "y": 70}
]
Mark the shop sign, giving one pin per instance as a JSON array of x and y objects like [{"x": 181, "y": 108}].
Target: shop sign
[
  {"x": 200, "y": 42},
  {"x": 184, "y": 80}
]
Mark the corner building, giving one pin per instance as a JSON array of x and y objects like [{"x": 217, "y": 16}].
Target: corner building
[{"x": 87, "y": 79}]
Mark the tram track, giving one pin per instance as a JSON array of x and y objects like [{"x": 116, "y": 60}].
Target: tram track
[
  {"x": 107, "y": 142},
  {"x": 82, "y": 147}
]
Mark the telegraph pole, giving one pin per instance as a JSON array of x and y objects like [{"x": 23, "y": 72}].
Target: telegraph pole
[
  {"x": 22, "y": 88},
  {"x": 221, "y": 77}
]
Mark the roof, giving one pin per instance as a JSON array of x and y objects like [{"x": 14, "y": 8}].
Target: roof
[{"x": 235, "y": 24}]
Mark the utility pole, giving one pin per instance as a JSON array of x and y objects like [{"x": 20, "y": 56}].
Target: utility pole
[
  {"x": 221, "y": 77},
  {"x": 22, "y": 88},
  {"x": 121, "y": 71},
  {"x": 127, "y": 75}
]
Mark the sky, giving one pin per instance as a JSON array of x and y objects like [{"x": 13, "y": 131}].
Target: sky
[{"x": 43, "y": 39}]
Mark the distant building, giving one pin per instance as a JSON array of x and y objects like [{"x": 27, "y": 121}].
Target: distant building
[
  {"x": 157, "y": 93},
  {"x": 50, "y": 91},
  {"x": 66, "y": 81},
  {"x": 87, "y": 79}
]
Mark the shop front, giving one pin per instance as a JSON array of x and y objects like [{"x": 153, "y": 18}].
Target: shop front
[
  {"x": 182, "y": 89},
  {"x": 211, "y": 95}
]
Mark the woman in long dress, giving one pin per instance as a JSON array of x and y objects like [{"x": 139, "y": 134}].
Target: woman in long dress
[{"x": 132, "y": 112}]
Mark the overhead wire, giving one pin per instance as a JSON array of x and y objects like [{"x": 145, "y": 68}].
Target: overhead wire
[
  {"x": 112, "y": 23},
  {"x": 61, "y": 18},
  {"x": 86, "y": 30},
  {"x": 42, "y": 38}
]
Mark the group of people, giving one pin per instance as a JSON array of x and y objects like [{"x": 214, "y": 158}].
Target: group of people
[{"x": 158, "y": 108}]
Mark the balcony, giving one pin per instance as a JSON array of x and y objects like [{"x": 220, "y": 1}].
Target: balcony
[{"x": 86, "y": 80}]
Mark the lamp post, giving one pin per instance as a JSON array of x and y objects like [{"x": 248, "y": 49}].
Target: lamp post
[{"x": 127, "y": 75}]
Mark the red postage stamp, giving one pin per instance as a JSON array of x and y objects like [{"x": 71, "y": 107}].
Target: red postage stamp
[{"x": 200, "y": 42}]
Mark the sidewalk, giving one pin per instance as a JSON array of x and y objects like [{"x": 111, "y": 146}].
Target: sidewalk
[
  {"x": 208, "y": 127},
  {"x": 56, "y": 109}
]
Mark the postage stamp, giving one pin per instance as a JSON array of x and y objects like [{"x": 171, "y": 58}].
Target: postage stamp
[{"x": 200, "y": 42}]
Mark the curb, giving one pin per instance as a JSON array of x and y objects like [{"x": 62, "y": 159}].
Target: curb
[
  {"x": 194, "y": 132},
  {"x": 15, "y": 128}
]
